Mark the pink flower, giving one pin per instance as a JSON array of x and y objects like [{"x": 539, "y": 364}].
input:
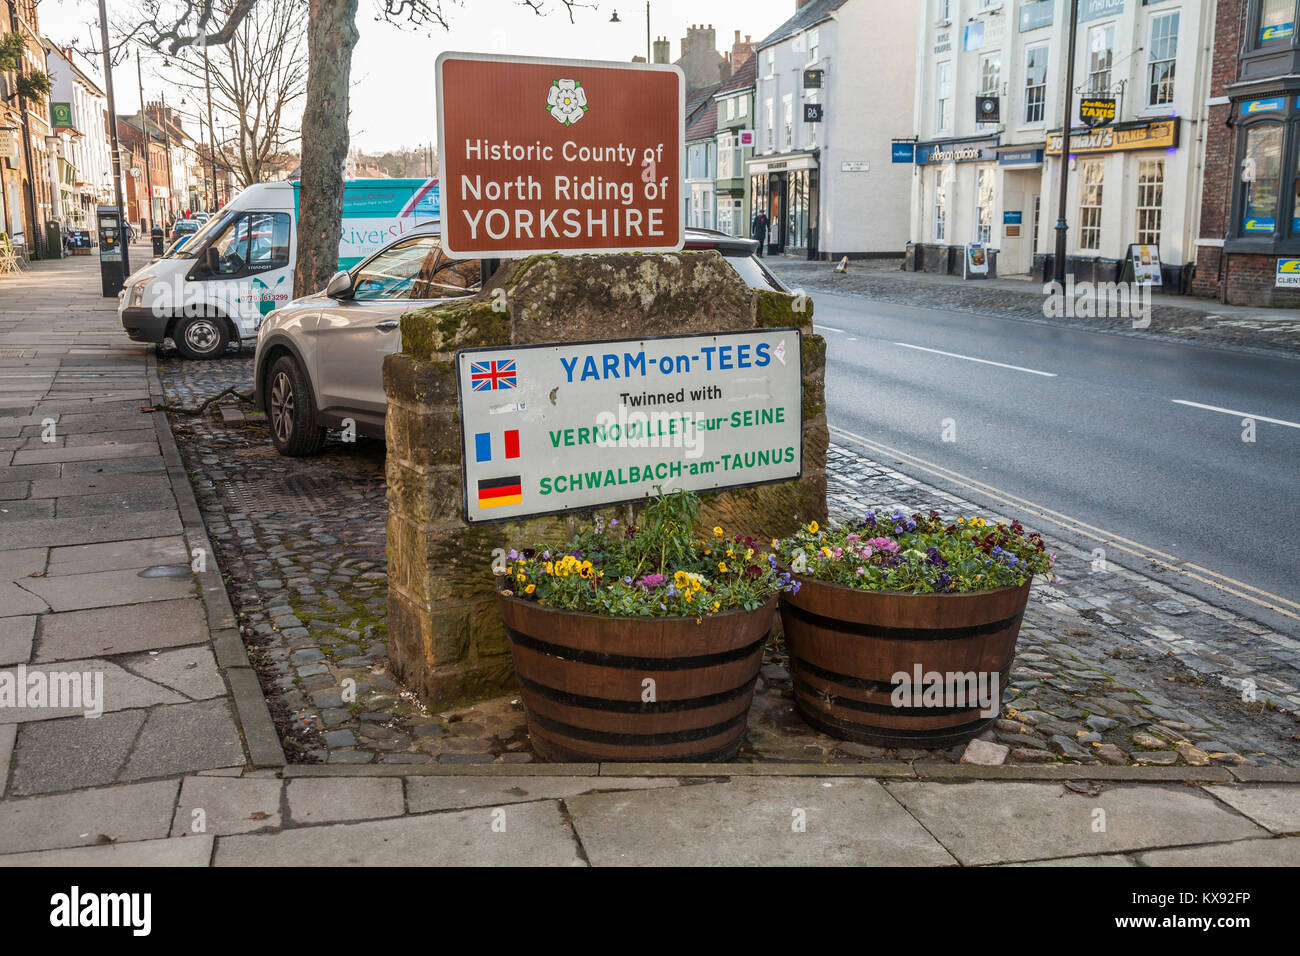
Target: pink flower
[{"x": 884, "y": 544}]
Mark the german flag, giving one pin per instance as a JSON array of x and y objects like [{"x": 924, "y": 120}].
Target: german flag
[{"x": 495, "y": 492}]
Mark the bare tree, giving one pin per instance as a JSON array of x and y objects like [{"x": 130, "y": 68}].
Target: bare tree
[
  {"x": 172, "y": 25},
  {"x": 259, "y": 80}
]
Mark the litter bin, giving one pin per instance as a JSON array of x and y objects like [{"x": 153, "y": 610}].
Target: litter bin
[{"x": 157, "y": 235}]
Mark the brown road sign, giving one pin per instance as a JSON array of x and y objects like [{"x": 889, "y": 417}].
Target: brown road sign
[{"x": 543, "y": 155}]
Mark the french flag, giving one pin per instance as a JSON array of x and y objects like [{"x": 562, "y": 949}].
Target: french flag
[{"x": 506, "y": 442}]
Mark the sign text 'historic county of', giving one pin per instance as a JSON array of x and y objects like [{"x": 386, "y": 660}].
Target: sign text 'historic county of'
[
  {"x": 552, "y": 428},
  {"x": 541, "y": 155}
]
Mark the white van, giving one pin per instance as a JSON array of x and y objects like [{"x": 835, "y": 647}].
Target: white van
[{"x": 217, "y": 287}]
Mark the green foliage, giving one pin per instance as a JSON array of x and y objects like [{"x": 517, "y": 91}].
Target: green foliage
[
  {"x": 659, "y": 569},
  {"x": 11, "y": 51},
  {"x": 917, "y": 554},
  {"x": 33, "y": 85}
]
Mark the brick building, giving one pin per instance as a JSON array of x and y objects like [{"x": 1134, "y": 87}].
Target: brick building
[
  {"x": 144, "y": 181},
  {"x": 1249, "y": 247}
]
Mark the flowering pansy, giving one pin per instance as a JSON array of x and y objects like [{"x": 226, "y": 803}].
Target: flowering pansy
[{"x": 917, "y": 553}]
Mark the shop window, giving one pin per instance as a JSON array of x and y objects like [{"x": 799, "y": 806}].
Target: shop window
[
  {"x": 940, "y": 207},
  {"x": 787, "y": 120},
  {"x": 990, "y": 73},
  {"x": 1101, "y": 56},
  {"x": 1163, "y": 49},
  {"x": 984, "y": 205},
  {"x": 1090, "y": 190},
  {"x": 770, "y": 124},
  {"x": 1035, "y": 84},
  {"x": 1276, "y": 21},
  {"x": 1261, "y": 174},
  {"x": 1150, "y": 200}
]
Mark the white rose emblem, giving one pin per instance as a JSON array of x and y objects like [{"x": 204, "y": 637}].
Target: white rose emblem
[{"x": 566, "y": 101}]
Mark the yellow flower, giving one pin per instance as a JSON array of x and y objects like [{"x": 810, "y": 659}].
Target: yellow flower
[
  {"x": 775, "y": 543},
  {"x": 813, "y": 527},
  {"x": 731, "y": 553},
  {"x": 749, "y": 553},
  {"x": 717, "y": 532},
  {"x": 722, "y": 566},
  {"x": 520, "y": 576},
  {"x": 530, "y": 589},
  {"x": 716, "y": 605},
  {"x": 550, "y": 567}
]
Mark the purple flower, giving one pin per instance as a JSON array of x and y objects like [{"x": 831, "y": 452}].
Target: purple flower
[{"x": 651, "y": 581}]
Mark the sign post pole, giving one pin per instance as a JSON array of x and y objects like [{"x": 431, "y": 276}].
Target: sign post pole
[{"x": 1058, "y": 262}]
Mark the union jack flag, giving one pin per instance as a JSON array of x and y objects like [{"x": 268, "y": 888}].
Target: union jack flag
[{"x": 488, "y": 376}]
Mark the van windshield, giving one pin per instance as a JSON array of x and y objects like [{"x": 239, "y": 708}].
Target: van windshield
[{"x": 191, "y": 248}]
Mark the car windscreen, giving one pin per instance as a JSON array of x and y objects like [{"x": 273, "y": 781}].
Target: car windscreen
[
  {"x": 754, "y": 274},
  {"x": 190, "y": 249}
]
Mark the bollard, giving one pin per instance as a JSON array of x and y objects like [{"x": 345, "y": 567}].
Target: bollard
[{"x": 157, "y": 235}]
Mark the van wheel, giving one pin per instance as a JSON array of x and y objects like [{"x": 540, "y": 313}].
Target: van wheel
[
  {"x": 291, "y": 410},
  {"x": 200, "y": 337}
]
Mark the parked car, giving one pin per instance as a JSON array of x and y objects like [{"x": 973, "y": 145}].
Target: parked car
[
  {"x": 320, "y": 359},
  {"x": 185, "y": 227}
]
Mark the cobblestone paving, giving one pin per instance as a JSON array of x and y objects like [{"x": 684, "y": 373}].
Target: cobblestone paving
[
  {"x": 1272, "y": 330},
  {"x": 1112, "y": 667}
]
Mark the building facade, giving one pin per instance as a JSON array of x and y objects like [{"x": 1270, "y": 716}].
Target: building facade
[
  {"x": 702, "y": 163},
  {"x": 830, "y": 82},
  {"x": 1249, "y": 243},
  {"x": 735, "y": 125},
  {"x": 79, "y": 118},
  {"x": 986, "y": 142},
  {"x": 26, "y": 184},
  {"x": 145, "y": 170}
]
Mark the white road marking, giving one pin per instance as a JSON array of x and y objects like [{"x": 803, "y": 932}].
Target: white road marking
[
  {"x": 1229, "y": 411},
  {"x": 828, "y": 328},
  {"x": 969, "y": 358}
]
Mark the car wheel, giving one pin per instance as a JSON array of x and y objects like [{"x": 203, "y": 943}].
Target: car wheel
[
  {"x": 291, "y": 410},
  {"x": 201, "y": 337}
]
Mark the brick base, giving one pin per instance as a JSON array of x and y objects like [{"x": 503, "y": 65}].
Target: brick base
[{"x": 1242, "y": 279}]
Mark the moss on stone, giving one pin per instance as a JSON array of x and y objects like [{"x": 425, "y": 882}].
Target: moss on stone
[
  {"x": 438, "y": 330},
  {"x": 775, "y": 310}
]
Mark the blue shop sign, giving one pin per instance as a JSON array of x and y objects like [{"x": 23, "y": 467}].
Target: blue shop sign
[
  {"x": 932, "y": 153},
  {"x": 1036, "y": 14},
  {"x": 1011, "y": 217},
  {"x": 903, "y": 153},
  {"x": 1277, "y": 31},
  {"x": 1251, "y": 107},
  {"x": 1096, "y": 9},
  {"x": 1020, "y": 157}
]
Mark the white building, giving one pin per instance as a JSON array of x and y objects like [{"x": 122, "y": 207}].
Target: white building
[
  {"x": 834, "y": 82},
  {"x": 79, "y": 118},
  {"x": 1136, "y": 180}
]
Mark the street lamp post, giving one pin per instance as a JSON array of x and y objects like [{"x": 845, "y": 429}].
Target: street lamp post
[
  {"x": 649, "y": 58},
  {"x": 1058, "y": 263},
  {"x": 212, "y": 132}
]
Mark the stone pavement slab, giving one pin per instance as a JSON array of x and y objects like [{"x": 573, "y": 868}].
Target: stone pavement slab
[
  {"x": 185, "y": 737},
  {"x": 194, "y": 850},
  {"x": 141, "y": 811},
  {"x": 754, "y": 822},
  {"x": 326, "y": 800},
  {"x": 15, "y": 599},
  {"x": 121, "y": 630},
  {"x": 118, "y": 555},
  {"x": 89, "y": 530},
  {"x": 221, "y": 805},
  {"x": 106, "y": 452},
  {"x": 986, "y": 822},
  {"x": 8, "y": 734},
  {"x": 54, "y": 755},
  {"x": 191, "y": 671},
  {"x": 447, "y": 793},
  {"x": 121, "y": 690},
  {"x": 18, "y": 564},
  {"x": 1109, "y": 860},
  {"x": 77, "y": 592},
  {"x": 1274, "y": 807},
  {"x": 535, "y": 834},
  {"x": 16, "y": 634},
  {"x": 1283, "y": 851}
]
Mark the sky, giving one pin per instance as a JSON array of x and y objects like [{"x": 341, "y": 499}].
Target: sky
[{"x": 392, "y": 69}]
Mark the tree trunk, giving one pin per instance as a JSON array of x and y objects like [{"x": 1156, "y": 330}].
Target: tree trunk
[{"x": 331, "y": 35}]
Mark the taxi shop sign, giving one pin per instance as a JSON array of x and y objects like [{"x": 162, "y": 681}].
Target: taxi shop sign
[
  {"x": 553, "y": 428},
  {"x": 544, "y": 155}
]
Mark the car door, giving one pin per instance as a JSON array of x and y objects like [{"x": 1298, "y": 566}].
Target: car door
[{"x": 354, "y": 334}]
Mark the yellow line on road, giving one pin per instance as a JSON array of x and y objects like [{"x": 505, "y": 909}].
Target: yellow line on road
[{"x": 1126, "y": 545}]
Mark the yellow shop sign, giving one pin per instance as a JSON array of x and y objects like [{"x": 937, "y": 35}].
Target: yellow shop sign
[{"x": 1158, "y": 134}]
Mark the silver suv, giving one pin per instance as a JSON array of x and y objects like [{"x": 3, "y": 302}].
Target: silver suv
[{"x": 320, "y": 358}]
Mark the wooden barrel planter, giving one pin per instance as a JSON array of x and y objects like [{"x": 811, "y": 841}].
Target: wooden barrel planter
[
  {"x": 846, "y": 644},
  {"x": 581, "y": 677}
]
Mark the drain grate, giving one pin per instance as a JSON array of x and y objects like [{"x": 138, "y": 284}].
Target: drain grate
[{"x": 290, "y": 494}]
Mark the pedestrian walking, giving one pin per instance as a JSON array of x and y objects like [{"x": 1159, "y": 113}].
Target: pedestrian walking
[{"x": 758, "y": 230}]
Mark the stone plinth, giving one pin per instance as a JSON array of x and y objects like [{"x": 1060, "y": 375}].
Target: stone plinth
[{"x": 445, "y": 635}]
